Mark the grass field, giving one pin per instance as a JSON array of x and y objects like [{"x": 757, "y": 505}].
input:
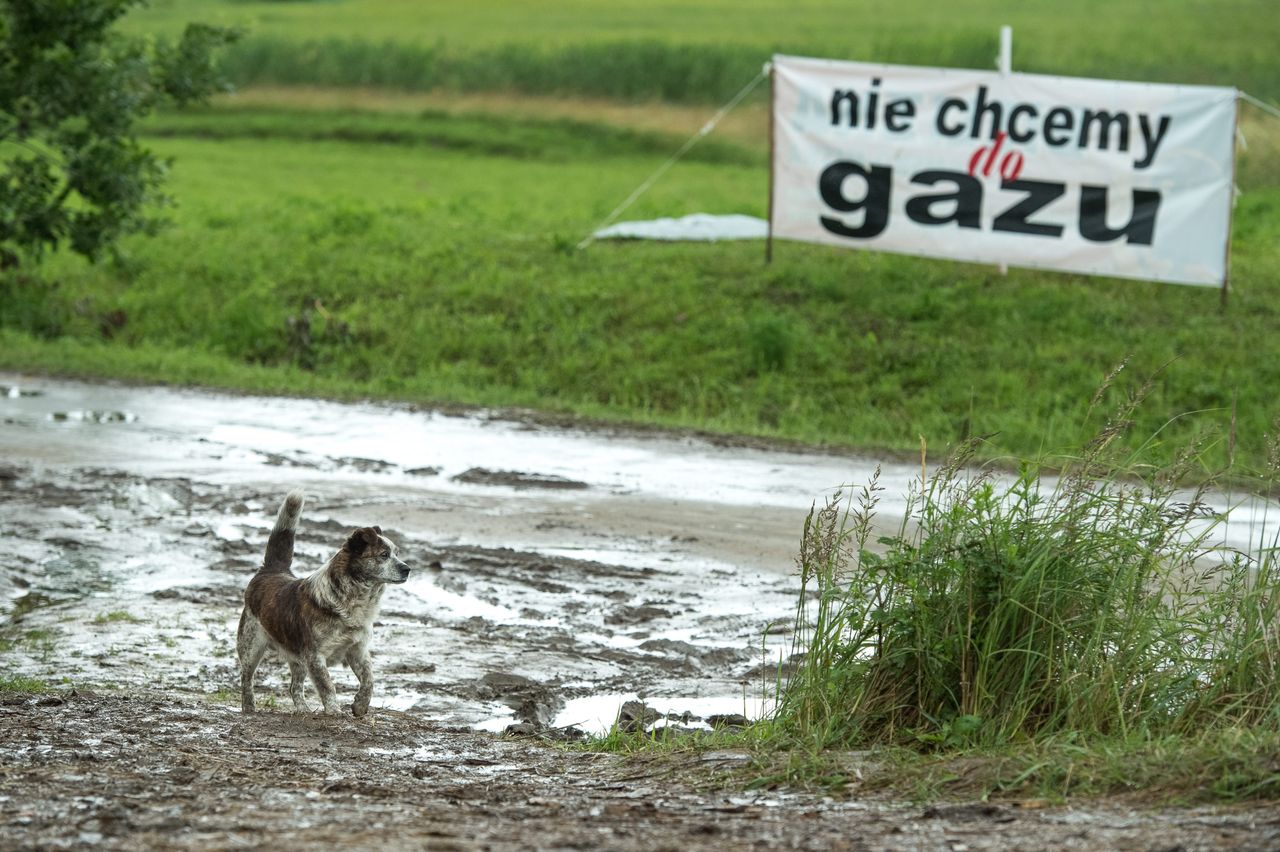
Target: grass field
[
  {"x": 412, "y": 255},
  {"x": 703, "y": 51}
]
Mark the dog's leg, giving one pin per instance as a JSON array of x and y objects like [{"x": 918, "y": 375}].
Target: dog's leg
[
  {"x": 251, "y": 647},
  {"x": 297, "y": 685},
  {"x": 316, "y": 667},
  {"x": 359, "y": 661}
]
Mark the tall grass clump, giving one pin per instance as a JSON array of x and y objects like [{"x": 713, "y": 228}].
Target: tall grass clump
[{"x": 1087, "y": 602}]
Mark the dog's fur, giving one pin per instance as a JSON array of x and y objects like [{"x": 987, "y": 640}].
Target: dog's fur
[{"x": 317, "y": 620}]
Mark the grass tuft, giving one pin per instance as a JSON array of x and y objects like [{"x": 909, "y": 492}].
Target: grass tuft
[
  {"x": 116, "y": 616},
  {"x": 1080, "y": 613},
  {"x": 22, "y": 684}
]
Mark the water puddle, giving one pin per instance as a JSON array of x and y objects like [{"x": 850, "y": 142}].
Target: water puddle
[
  {"x": 597, "y": 714},
  {"x": 558, "y": 574}
]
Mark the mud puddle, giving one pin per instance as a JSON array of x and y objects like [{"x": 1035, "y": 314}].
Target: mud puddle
[
  {"x": 597, "y": 569},
  {"x": 563, "y": 581},
  {"x": 559, "y": 574}
]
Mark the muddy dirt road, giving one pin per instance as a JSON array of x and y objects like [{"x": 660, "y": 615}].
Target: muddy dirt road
[
  {"x": 559, "y": 574},
  {"x": 114, "y": 771}
]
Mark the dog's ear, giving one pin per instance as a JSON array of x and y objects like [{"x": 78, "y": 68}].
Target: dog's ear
[
  {"x": 377, "y": 529},
  {"x": 361, "y": 540}
]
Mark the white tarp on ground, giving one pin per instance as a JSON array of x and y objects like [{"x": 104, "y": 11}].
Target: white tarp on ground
[
  {"x": 703, "y": 227},
  {"x": 1093, "y": 176}
]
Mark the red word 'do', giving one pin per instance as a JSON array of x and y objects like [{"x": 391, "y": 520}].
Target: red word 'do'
[{"x": 1010, "y": 164}]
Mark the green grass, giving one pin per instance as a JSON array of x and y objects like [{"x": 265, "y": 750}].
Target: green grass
[
  {"x": 1044, "y": 624},
  {"x": 116, "y": 617},
  {"x": 1216, "y": 766},
  {"x": 703, "y": 51},
  {"x": 444, "y": 271},
  {"x": 37, "y": 640},
  {"x": 22, "y": 684},
  {"x": 555, "y": 140},
  {"x": 1074, "y": 636}
]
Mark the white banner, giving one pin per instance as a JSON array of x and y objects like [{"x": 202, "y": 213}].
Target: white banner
[{"x": 1105, "y": 178}]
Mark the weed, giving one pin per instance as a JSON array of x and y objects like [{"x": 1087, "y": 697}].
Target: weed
[
  {"x": 38, "y": 641},
  {"x": 115, "y": 617},
  {"x": 770, "y": 341},
  {"x": 21, "y": 683},
  {"x": 1085, "y": 605}
]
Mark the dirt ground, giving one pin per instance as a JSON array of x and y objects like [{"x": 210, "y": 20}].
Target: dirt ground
[
  {"x": 135, "y": 771},
  {"x": 557, "y": 579}
]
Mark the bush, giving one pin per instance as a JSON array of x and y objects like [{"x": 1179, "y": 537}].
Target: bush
[{"x": 1085, "y": 604}]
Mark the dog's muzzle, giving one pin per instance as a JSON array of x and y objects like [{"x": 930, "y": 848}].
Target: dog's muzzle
[{"x": 403, "y": 568}]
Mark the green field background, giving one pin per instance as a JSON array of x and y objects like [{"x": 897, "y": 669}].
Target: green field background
[
  {"x": 424, "y": 248},
  {"x": 702, "y": 51}
]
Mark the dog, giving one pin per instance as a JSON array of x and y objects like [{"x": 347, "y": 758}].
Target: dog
[{"x": 317, "y": 620}]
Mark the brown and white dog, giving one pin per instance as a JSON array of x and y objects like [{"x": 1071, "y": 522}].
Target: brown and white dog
[{"x": 317, "y": 620}]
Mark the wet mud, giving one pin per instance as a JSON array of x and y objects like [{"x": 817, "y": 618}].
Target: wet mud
[
  {"x": 562, "y": 583},
  {"x": 115, "y": 771}
]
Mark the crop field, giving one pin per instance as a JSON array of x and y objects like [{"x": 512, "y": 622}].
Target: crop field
[{"x": 702, "y": 51}]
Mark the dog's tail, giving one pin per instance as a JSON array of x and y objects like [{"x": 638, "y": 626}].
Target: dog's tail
[{"x": 279, "y": 554}]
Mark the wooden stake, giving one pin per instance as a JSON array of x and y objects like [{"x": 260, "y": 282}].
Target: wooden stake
[
  {"x": 1004, "y": 64},
  {"x": 773, "y": 93},
  {"x": 1231, "y": 208}
]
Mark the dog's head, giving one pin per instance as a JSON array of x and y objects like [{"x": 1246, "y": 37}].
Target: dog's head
[{"x": 371, "y": 557}]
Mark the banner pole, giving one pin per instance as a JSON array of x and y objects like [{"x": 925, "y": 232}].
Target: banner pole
[
  {"x": 1231, "y": 208},
  {"x": 773, "y": 89},
  {"x": 1004, "y": 64}
]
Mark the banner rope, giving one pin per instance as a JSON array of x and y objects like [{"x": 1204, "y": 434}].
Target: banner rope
[
  {"x": 1261, "y": 104},
  {"x": 674, "y": 158}
]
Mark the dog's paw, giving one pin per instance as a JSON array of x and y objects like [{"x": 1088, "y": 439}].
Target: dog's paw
[{"x": 359, "y": 709}]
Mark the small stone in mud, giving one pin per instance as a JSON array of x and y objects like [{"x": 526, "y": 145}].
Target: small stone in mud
[
  {"x": 968, "y": 812},
  {"x": 774, "y": 671},
  {"x": 670, "y": 646},
  {"x": 636, "y": 614},
  {"x": 671, "y": 732},
  {"x": 94, "y": 416},
  {"x": 522, "y": 729},
  {"x": 365, "y": 465},
  {"x": 182, "y": 775},
  {"x": 230, "y": 565},
  {"x": 517, "y": 479},
  {"x": 278, "y": 460},
  {"x": 728, "y": 720},
  {"x": 529, "y": 700},
  {"x": 636, "y": 716}
]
